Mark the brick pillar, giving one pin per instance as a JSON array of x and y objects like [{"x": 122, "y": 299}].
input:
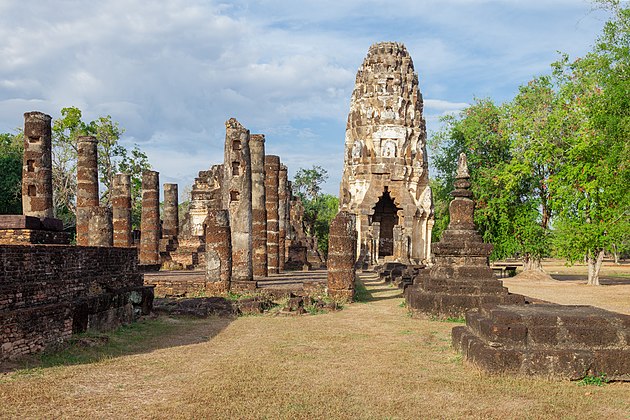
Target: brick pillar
[
  {"x": 283, "y": 195},
  {"x": 37, "y": 166},
  {"x": 87, "y": 186},
  {"x": 100, "y": 227},
  {"x": 237, "y": 198},
  {"x": 218, "y": 251},
  {"x": 259, "y": 210},
  {"x": 121, "y": 210},
  {"x": 150, "y": 222},
  {"x": 272, "y": 167},
  {"x": 342, "y": 242},
  {"x": 170, "y": 228}
]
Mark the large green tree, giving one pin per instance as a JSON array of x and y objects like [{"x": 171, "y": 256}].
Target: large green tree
[
  {"x": 11, "y": 149},
  {"x": 112, "y": 158},
  {"x": 590, "y": 191}
]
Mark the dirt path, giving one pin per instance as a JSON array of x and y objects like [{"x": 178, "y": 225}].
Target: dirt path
[{"x": 370, "y": 360}]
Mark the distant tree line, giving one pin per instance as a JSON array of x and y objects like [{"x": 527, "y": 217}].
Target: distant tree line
[{"x": 550, "y": 168}]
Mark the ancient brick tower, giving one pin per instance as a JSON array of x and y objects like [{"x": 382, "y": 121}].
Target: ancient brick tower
[{"x": 385, "y": 178}]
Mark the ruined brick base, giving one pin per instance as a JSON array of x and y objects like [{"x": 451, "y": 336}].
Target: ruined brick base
[
  {"x": 50, "y": 291},
  {"x": 341, "y": 295},
  {"x": 24, "y": 230},
  {"x": 567, "y": 342},
  {"x": 242, "y": 286}
]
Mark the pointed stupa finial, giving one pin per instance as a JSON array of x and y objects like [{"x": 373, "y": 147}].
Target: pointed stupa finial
[{"x": 462, "y": 167}]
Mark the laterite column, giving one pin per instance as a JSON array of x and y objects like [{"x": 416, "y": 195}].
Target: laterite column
[
  {"x": 37, "y": 166},
  {"x": 121, "y": 210},
  {"x": 87, "y": 186},
  {"x": 259, "y": 210},
  {"x": 150, "y": 222},
  {"x": 272, "y": 166}
]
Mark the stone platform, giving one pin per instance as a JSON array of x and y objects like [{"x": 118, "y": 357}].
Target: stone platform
[
  {"x": 193, "y": 283},
  {"x": 559, "y": 341}
]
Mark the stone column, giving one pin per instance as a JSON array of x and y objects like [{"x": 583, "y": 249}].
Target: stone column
[
  {"x": 121, "y": 210},
  {"x": 282, "y": 215},
  {"x": 87, "y": 186},
  {"x": 272, "y": 167},
  {"x": 237, "y": 198},
  {"x": 100, "y": 227},
  {"x": 342, "y": 242},
  {"x": 150, "y": 222},
  {"x": 259, "y": 210},
  {"x": 170, "y": 228},
  {"x": 376, "y": 239},
  {"x": 218, "y": 251},
  {"x": 37, "y": 166}
]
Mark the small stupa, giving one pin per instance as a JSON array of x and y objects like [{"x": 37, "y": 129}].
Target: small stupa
[{"x": 461, "y": 278}]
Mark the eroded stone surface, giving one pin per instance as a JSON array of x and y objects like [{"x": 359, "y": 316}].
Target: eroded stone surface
[
  {"x": 569, "y": 341},
  {"x": 150, "y": 222},
  {"x": 385, "y": 178},
  {"x": 342, "y": 241},
  {"x": 37, "y": 192}
]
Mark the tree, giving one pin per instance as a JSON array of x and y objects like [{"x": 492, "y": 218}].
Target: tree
[
  {"x": 11, "y": 150},
  {"x": 307, "y": 182},
  {"x": 319, "y": 209},
  {"x": 112, "y": 158},
  {"x": 590, "y": 190}
]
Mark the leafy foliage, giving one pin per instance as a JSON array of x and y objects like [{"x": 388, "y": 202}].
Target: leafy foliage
[
  {"x": 558, "y": 152},
  {"x": 112, "y": 158},
  {"x": 319, "y": 209},
  {"x": 11, "y": 149}
]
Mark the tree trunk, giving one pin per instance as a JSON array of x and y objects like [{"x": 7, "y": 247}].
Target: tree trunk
[
  {"x": 615, "y": 254},
  {"x": 532, "y": 263},
  {"x": 594, "y": 265}
]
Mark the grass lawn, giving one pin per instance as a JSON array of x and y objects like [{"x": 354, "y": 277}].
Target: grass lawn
[{"x": 370, "y": 360}]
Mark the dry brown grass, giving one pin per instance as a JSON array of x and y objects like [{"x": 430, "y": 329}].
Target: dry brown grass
[
  {"x": 613, "y": 295},
  {"x": 370, "y": 360}
]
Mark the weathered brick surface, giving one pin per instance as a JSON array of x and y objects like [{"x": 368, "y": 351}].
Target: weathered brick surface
[
  {"x": 272, "y": 167},
  {"x": 37, "y": 165},
  {"x": 342, "y": 242},
  {"x": 150, "y": 222},
  {"x": 46, "y": 291}
]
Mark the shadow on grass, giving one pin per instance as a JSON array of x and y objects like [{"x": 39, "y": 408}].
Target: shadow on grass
[
  {"x": 365, "y": 290},
  {"x": 140, "y": 337}
]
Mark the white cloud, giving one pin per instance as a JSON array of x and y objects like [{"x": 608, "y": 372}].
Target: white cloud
[{"x": 171, "y": 72}]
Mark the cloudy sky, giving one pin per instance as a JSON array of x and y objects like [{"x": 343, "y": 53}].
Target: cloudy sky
[{"x": 171, "y": 72}]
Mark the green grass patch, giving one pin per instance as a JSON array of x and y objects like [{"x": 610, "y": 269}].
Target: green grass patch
[{"x": 594, "y": 380}]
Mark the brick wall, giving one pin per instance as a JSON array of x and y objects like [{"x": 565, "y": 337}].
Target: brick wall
[{"x": 49, "y": 291}]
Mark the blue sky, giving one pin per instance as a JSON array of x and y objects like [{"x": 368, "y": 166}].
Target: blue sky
[{"x": 172, "y": 72}]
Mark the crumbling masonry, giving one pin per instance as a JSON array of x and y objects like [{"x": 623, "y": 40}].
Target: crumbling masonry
[{"x": 385, "y": 177}]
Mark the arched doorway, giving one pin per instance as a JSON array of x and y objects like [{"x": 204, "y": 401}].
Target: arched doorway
[{"x": 386, "y": 213}]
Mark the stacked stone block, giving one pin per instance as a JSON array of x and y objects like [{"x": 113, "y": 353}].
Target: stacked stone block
[
  {"x": 272, "y": 168},
  {"x": 218, "y": 252},
  {"x": 87, "y": 186},
  {"x": 121, "y": 210},
  {"x": 259, "y": 210},
  {"x": 567, "y": 342},
  {"x": 150, "y": 221},
  {"x": 37, "y": 166},
  {"x": 49, "y": 292},
  {"x": 170, "y": 227},
  {"x": 283, "y": 199},
  {"x": 237, "y": 199},
  {"x": 342, "y": 242}
]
